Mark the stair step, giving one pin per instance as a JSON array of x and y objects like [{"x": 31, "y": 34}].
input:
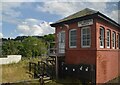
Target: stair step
[
  {"x": 46, "y": 78},
  {"x": 31, "y": 73},
  {"x": 47, "y": 81}
]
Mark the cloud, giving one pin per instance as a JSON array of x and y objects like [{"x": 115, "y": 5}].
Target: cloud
[
  {"x": 60, "y": 0},
  {"x": 59, "y": 8},
  {"x": 64, "y": 9},
  {"x": 0, "y": 28},
  {"x": 31, "y": 27},
  {"x": 18, "y": 1},
  {"x": 9, "y": 12},
  {"x": 1, "y": 35}
]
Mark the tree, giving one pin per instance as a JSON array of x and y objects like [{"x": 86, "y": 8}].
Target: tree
[
  {"x": 27, "y": 46},
  {"x": 49, "y": 38},
  {"x": 34, "y": 47},
  {"x": 10, "y": 48}
]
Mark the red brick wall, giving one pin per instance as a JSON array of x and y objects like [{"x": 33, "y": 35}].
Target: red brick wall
[
  {"x": 107, "y": 65},
  {"x": 119, "y": 62},
  {"x": 79, "y": 55},
  {"x": 107, "y": 58}
]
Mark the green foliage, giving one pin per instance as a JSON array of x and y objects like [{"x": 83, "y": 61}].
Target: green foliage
[
  {"x": 10, "y": 47},
  {"x": 28, "y": 47},
  {"x": 49, "y": 38},
  {"x": 34, "y": 47}
]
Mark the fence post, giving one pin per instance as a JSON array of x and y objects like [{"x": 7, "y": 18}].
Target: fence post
[
  {"x": 35, "y": 74},
  {"x": 29, "y": 66}
]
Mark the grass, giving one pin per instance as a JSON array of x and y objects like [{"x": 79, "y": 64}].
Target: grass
[
  {"x": 54, "y": 82},
  {"x": 16, "y": 71},
  {"x": 115, "y": 80}
]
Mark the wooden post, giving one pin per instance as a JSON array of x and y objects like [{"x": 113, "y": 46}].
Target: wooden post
[
  {"x": 35, "y": 74},
  {"x": 56, "y": 67},
  {"x": 29, "y": 66}
]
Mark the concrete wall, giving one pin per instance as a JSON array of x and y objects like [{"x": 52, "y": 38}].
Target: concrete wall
[{"x": 10, "y": 59}]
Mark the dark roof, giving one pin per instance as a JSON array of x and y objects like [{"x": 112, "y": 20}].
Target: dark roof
[{"x": 83, "y": 14}]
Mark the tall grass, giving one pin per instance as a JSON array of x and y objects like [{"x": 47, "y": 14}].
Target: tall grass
[{"x": 16, "y": 71}]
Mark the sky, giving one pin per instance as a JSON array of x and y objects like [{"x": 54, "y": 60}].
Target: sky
[{"x": 33, "y": 17}]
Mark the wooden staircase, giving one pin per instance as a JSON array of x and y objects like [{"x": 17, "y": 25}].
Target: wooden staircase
[
  {"x": 47, "y": 69},
  {"x": 42, "y": 70}
]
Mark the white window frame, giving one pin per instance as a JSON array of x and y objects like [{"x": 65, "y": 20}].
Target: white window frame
[
  {"x": 108, "y": 38},
  {"x": 70, "y": 38},
  {"x": 102, "y": 36},
  {"x": 118, "y": 41},
  {"x": 113, "y": 40},
  {"x": 61, "y": 42},
  {"x": 87, "y": 46}
]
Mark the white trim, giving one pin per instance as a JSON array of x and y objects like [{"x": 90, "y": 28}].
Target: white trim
[
  {"x": 113, "y": 39},
  {"x": 103, "y": 37},
  {"x": 108, "y": 31},
  {"x": 70, "y": 38},
  {"x": 117, "y": 46},
  {"x": 85, "y": 22},
  {"x": 118, "y": 41},
  {"x": 61, "y": 46},
  {"x": 87, "y": 27}
]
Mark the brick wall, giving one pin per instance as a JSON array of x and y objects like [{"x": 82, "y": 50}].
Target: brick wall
[
  {"x": 107, "y": 66},
  {"x": 78, "y": 55},
  {"x": 107, "y": 58}
]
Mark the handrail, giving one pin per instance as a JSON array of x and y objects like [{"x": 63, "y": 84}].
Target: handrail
[
  {"x": 41, "y": 68},
  {"x": 54, "y": 50},
  {"x": 45, "y": 67}
]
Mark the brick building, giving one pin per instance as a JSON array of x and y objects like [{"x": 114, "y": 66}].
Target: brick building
[{"x": 89, "y": 40}]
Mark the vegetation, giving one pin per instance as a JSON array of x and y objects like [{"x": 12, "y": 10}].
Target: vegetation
[
  {"x": 18, "y": 73},
  {"x": 29, "y": 46}
]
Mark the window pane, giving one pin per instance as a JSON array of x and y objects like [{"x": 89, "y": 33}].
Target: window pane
[
  {"x": 113, "y": 39},
  {"x": 84, "y": 43},
  {"x": 101, "y": 37},
  {"x": 85, "y": 34},
  {"x": 119, "y": 41},
  {"x": 88, "y": 42},
  {"x": 73, "y": 38},
  {"x": 108, "y": 38},
  {"x": 84, "y": 31}
]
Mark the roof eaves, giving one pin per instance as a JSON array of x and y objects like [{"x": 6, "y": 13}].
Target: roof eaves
[
  {"x": 73, "y": 20},
  {"x": 108, "y": 19}
]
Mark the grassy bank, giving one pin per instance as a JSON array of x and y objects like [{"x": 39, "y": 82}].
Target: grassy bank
[{"x": 16, "y": 71}]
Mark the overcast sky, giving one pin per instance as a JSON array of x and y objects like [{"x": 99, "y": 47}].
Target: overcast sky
[{"x": 20, "y": 17}]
